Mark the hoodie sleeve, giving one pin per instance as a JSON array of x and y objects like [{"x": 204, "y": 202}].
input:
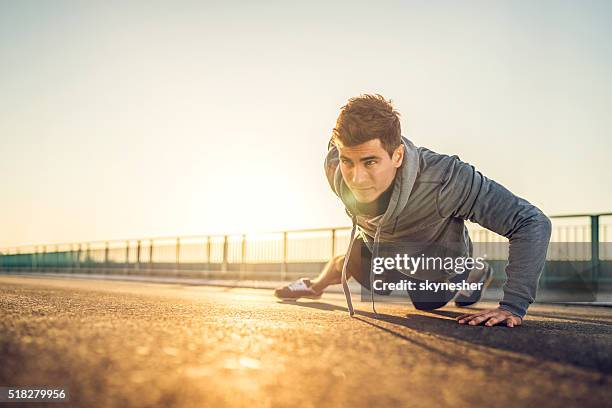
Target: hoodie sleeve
[
  {"x": 466, "y": 193},
  {"x": 331, "y": 164}
]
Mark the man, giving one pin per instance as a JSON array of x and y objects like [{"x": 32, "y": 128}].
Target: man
[{"x": 399, "y": 195}]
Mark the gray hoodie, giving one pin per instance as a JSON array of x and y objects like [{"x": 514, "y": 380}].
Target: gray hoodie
[{"x": 432, "y": 196}]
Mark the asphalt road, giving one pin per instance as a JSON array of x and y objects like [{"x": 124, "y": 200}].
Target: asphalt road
[{"x": 128, "y": 344}]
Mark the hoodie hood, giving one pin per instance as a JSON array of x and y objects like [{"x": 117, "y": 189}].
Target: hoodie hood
[{"x": 403, "y": 183}]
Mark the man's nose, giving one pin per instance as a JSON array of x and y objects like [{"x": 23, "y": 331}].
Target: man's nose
[{"x": 359, "y": 176}]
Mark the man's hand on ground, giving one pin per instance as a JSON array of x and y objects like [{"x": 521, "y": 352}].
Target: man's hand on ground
[{"x": 490, "y": 317}]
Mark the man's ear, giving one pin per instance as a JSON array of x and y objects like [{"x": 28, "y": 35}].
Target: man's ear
[{"x": 398, "y": 156}]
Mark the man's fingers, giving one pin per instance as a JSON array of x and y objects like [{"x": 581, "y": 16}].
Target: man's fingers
[
  {"x": 467, "y": 317},
  {"x": 470, "y": 316},
  {"x": 491, "y": 317},
  {"x": 514, "y": 321},
  {"x": 479, "y": 319},
  {"x": 494, "y": 320},
  {"x": 463, "y": 316}
]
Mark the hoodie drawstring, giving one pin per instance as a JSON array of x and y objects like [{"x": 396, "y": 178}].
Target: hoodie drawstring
[
  {"x": 345, "y": 288},
  {"x": 374, "y": 256}
]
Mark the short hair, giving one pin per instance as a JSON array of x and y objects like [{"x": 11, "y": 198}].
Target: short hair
[{"x": 367, "y": 117}]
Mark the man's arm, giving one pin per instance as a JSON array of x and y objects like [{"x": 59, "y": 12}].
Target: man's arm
[{"x": 469, "y": 195}]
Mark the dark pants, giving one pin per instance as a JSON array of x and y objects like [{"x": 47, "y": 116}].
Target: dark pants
[{"x": 359, "y": 268}]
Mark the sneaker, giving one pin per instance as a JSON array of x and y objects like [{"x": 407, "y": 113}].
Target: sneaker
[
  {"x": 469, "y": 297},
  {"x": 300, "y": 288}
]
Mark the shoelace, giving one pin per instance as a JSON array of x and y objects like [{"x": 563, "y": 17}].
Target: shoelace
[{"x": 298, "y": 285}]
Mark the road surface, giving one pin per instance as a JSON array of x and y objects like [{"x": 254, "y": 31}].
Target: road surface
[{"x": 131, "y": 344}]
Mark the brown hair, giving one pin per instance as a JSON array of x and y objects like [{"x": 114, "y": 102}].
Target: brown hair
[{"x": 367, "y": 117}]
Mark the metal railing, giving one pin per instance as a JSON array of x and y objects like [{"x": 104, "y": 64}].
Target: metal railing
[{"x": 276, "y": 254}]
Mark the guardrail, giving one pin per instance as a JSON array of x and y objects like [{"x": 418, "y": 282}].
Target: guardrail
[{"x": 282, "y": 254}]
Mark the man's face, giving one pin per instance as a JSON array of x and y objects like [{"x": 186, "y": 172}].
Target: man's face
[{"x": 367, "y": 168}]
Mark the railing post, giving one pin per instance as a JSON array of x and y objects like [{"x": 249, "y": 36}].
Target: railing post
[
  {"x": 242, "y": 256},
  {"x": 595, "y": 252},
  {"x": 138, "y": 255},
  {"x": 151, "y": 256},
  {"x": 68, "y": 262},
  {"x": 127, "y": 257},
  {"x": 34, "y": 258},
  {"x": 78, "y": 259},
  {"x": 178, "y": 255},
  {"x": 224, "y": 266},
  {"x": 106, "y": 257},
  {"x": 208, "y": 263},
  {"x": 88, "y": 257},
  {"x": 74, "y": 250},
  {"x": 284, "y": 264}
]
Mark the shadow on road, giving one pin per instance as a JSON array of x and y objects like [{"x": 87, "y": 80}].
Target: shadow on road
[{"x": 581, "y": 342}]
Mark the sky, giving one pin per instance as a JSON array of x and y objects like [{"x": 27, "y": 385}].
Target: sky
[{"x": 143, "y": 119}]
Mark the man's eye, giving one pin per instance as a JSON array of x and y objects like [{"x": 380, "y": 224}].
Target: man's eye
[{"x": 370, "y": 163}]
